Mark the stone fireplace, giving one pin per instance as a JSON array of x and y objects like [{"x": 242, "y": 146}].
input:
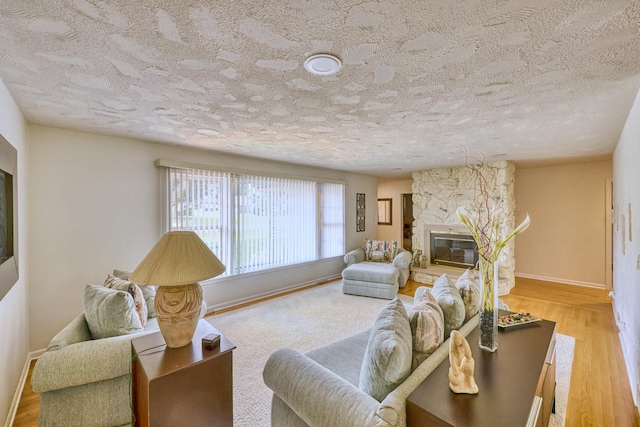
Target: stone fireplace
[{"x": 437, "y": 194}]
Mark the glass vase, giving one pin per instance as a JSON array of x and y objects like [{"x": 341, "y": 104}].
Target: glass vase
[{"x": 488, "y": 305}]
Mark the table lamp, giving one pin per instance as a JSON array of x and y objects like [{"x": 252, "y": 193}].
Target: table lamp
[{"x": 175, "y": 265}]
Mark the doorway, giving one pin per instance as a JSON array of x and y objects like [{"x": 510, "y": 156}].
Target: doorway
[{"x": 407, "y": 221}]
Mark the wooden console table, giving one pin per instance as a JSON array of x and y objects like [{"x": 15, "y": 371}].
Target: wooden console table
[
  {"x": 516, "y": 383},
  {"x": 182, "y": 386}
]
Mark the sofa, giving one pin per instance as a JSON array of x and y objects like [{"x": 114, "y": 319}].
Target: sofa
[
  {"x": 324, "y": 387},
  {"x": 84, "y": 376},
  {"x": 366, "y": 276}
]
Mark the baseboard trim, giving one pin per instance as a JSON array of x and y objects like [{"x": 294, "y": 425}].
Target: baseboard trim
[
  {"x": 257, "y": 297},
  {"x": 563, "y": 281},
  {"x": 13, "y": 409}
]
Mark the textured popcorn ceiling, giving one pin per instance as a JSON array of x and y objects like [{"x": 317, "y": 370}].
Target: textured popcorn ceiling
[{"x": 421, "y": 79}]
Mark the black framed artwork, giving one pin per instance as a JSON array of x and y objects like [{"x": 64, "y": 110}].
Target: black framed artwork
[
  {"x": 8, "y": 222},
  {"x": 360, "y": 212}
]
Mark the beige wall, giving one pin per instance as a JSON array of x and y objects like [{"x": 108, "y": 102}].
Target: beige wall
[
  {"x": 96, "y": 206},
  {"x": 14, "y": 321},
  {"x": 566, "y": 239},
  {"x": 393, "y": 190}
]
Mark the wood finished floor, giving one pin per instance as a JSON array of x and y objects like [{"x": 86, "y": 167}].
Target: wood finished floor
[{"x": 599, "y": 395}]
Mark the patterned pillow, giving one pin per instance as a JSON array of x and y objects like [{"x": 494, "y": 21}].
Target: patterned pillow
[
  {"x": 470, "y": 292},
  {"x": 388, "y": 246},
  {"x": 109, "y": 312},
  {"x": 387, "y": 359},
  {"x": 149, "y": 292},
  {"x": 379, "y": 256},
  {"x": 134, "y": 290},
  {"x": 427, "y": 327},
  {"x": 450, "y": 301}
]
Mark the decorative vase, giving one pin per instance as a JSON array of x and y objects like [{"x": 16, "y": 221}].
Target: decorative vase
[{"x": 488, "y": 305}]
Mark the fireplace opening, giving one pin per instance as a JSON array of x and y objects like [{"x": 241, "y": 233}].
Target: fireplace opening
[{"x": 453, "y": 249}]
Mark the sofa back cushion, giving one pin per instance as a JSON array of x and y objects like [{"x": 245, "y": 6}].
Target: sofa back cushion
[
  {"x": 450, "y": 301},
  {"x": 110, "y": 312},
  {"x": 469, "y": 289},
  {"x": 427, "y": 327},
  {"x": 387, "y": 359},
  {"x": 380, "y": 250}
]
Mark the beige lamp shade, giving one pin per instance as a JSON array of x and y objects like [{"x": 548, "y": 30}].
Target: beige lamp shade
[{"x": 179, "y": 258}]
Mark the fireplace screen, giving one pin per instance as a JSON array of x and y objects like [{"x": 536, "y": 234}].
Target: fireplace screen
[{"x": 453, "y": 249}]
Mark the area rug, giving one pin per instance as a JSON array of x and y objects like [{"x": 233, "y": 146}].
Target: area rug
[
  {"x": 564, "y": 363},
  {"x": 302, "y": 320}
]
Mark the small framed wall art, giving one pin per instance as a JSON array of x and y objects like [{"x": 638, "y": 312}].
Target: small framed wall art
[{"x": 360, "y": 212}]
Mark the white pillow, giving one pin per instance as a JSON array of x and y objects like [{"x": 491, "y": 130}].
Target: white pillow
[{"x": 470, "y": 292}]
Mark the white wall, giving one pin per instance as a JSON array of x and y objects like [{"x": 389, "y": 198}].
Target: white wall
[
  {"x": 95, "y": 206},
  {"x": 566, "y": 239},
  {"x": 14, "y": 321},
  {"x": 626, "y": 263}
]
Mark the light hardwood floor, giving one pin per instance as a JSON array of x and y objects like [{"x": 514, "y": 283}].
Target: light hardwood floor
[{"x": 599, "y": 395}]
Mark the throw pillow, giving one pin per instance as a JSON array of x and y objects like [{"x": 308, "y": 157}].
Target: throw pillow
[
  {"x": 450, "y": 302},
  {"x": 470, "y": 292},
  {"x": 110, "y": 312},
  {"x": 388, "y": 246},
  {"x": 427, "y": 327},
  {"x": 379, "y": 256},
  {"x": 387, "y": 359},
  {"x": 149, "y": 292},
  {"x": 138, "y": 298}
]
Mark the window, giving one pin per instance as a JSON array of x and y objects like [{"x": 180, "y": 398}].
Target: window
[{"x": 255, "y": 222}]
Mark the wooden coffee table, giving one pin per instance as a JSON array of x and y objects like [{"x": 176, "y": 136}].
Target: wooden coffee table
[{"x": 516, "y": 383}]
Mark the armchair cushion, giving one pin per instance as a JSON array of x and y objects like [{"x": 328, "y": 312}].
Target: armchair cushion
[
  {"x": 387, "y": 359},
  {"x": 388, "y": 246},
  {"x": 110, "y": 312}
]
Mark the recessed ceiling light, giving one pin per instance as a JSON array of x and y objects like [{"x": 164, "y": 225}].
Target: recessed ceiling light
[{"x": 322, "y": 64}]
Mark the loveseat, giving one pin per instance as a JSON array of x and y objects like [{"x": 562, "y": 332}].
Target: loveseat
[
  {"x": 381, "y": 277},
  {"x": 324, "y": 386},
  {"x": 84, "y": 376}
]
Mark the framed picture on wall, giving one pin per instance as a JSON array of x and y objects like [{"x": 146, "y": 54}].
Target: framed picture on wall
[
  {"x": 360, "y": 212},
  {"x": 384, "y": 211}
]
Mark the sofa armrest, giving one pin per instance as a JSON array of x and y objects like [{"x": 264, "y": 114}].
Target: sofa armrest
[
  {"x": 354, "y": 257},
  {"x": 318, "y": 396},
  {"x": 76, "y": 331},
  {"x": 82, "y": 363},
  {"x": 402, "y": 260}
]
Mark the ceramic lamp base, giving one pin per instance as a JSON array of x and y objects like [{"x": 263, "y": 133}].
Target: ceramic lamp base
[{"x": 178, "y": 311}]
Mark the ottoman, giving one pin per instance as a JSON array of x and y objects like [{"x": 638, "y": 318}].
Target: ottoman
[{"x": 371, "y": 279}]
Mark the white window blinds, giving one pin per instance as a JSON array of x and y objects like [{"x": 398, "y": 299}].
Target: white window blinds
[{"x": 255, "y": 222}]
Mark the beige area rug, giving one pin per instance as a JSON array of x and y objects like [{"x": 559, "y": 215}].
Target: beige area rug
[{"x": 303, "y": 320}]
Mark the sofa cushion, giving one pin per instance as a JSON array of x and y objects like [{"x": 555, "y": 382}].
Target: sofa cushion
[
  {"x": 470, "y": 293},
  {"x": 149, "y": 292},
  {"x": 110, "y": 312},
  {"x": 387, "y": 359},
  {"x": 427, "y": 327},
  {"x": 450, "y": 301},
  {"x": 388, "y": 246},
  {"x": 379, "y": 256},
  {"x": 134, "y": 290}
]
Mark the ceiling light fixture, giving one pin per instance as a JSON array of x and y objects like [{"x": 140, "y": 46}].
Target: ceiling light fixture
[{"x": 322, "y": 64}]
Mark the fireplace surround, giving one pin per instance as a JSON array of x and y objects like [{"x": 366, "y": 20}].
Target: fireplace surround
[{"x": 437, "y": 194}]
